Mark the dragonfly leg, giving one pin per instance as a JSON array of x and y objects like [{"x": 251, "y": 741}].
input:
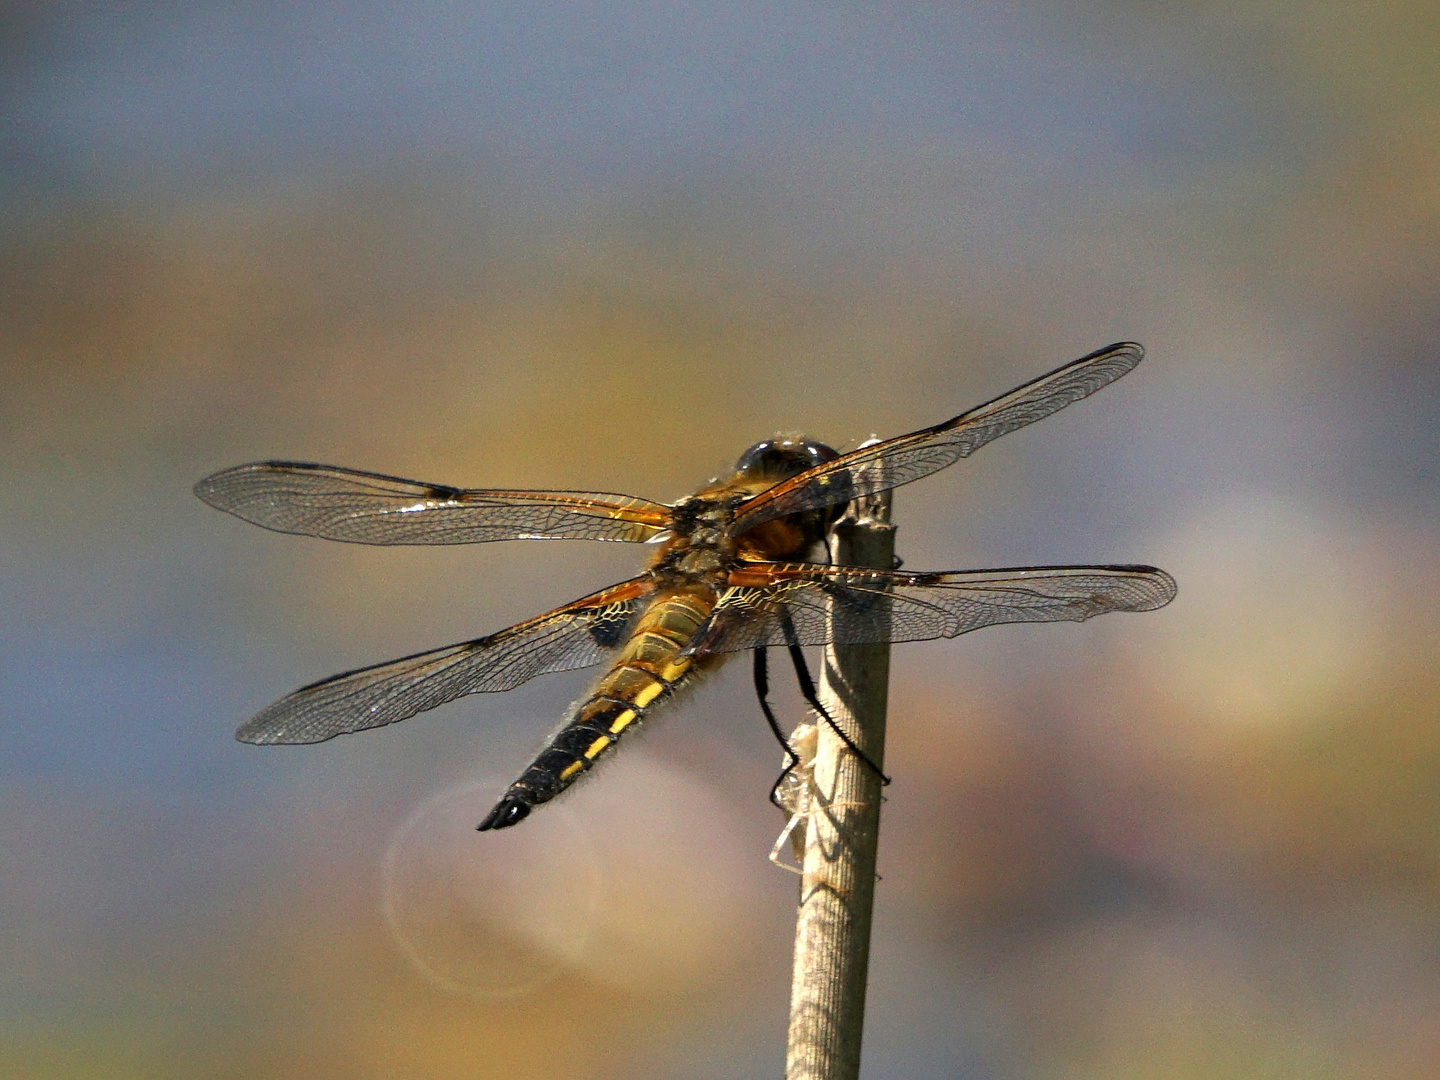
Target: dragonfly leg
[
  {"x": 807, "y": 691},
  {"x": 762, "y": 691}
]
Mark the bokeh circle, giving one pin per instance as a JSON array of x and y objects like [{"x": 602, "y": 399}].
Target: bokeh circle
[{"x": 490, "y": 915}]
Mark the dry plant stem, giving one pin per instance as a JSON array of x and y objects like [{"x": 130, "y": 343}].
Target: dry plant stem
[{"x": 837, "y": 890}]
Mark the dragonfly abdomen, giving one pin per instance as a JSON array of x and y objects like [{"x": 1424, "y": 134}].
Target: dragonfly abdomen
[{"x": 648, "y": 668}]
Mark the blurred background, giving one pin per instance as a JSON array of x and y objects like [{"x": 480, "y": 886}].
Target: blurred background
[{"x": 609, "y": 246}]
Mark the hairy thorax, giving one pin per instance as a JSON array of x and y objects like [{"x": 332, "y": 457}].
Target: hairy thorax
[{"x": 702, "y": 551}]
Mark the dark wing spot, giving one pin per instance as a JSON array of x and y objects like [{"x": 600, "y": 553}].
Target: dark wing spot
[{"x": 609, "y": 628}]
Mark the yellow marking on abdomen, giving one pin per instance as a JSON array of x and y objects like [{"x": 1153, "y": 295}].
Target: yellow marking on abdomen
[
  {"x": 648, "y": 665},
  {"x": 648, "y": 694}
]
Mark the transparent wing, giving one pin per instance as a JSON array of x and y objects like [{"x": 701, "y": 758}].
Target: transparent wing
[
  {"x": 905, "y": 458},
  {"x": 854, "y": 606},
  {"x": 371, "y": 508},
  {"x": 574, "y": 636}
]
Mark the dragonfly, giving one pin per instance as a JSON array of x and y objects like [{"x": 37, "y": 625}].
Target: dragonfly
[{"x": 731, "y": 571}]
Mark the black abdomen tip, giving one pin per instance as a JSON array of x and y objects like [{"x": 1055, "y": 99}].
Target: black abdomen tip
[{"x": 508, "y": 811}]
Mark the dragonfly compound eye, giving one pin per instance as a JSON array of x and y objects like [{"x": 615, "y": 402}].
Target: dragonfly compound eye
[{"x": 781, "y": 458}]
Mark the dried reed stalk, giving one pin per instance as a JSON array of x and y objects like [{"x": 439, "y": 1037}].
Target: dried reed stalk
[{"x": 837, "y": 890}]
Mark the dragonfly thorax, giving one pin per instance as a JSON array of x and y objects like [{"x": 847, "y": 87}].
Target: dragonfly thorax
[{"x": 701, "y": 547}]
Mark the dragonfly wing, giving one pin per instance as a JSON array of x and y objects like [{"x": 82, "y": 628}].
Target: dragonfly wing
[
  {"x": 371, "y": 508},
  {"x": 905, "y": 458},
  {"x": 574, "y": 636},
  {"x": 806, "y": 604}
]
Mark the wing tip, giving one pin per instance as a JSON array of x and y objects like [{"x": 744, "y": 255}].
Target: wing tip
[
  {"x": 263, "y": 730},
  {"x": 1169, "y": 587},
  {"x": 1130, "y": 349},
  {"x": 210, "y": 489},
  {"x": 206, "y": 489},
  {"x": 253, "y": 734},
  {"x": 1166, "y": 587}
]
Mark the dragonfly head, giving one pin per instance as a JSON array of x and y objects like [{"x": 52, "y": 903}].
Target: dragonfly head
[{"x": 782, "y": 457}]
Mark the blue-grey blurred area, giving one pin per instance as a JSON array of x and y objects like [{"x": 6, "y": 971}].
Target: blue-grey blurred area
[{"x": 608, "y": 246}]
